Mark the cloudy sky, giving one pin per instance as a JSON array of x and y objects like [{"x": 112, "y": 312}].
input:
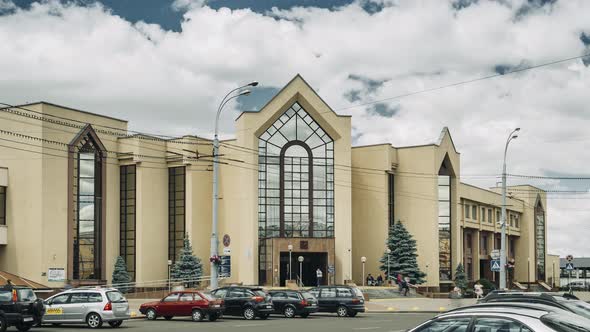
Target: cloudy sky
[{"x": 164, "y": 65}]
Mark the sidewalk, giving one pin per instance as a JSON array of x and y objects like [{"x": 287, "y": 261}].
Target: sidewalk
[{"x": 416, "y": 304}]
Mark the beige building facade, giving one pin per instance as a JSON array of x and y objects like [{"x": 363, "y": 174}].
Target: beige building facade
[{"x": 79, "y": 189}]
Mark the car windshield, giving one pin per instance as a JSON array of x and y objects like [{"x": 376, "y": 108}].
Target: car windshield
[
  {"x": 209, "y": 296},
  {"x": 579, "y": 307},
  {"x": 357, "y": 292},
  {"x": 308, "y": 296},
  {"x": 566, "y": 322},
  {"x": 26, "y": 295},
  {"x": 116, "y": 297}
]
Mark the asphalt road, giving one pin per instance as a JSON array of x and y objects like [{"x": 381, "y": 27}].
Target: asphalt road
[{"x": 386, "y": 322}]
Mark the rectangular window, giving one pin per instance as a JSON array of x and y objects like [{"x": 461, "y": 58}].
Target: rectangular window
[
  {"x": 474, "y": 212},
  {"x": 467, "y": 210},
  {"x": 483, "y": 214},
  {"x": 484, "y": 245},
  {"x": 127, "y": 219},
  {"x": 391, "y": 201},
  {"x": 176, "y": 210},
  {"x": 444, "y": 226},
  {"x": 511, "y": 220},
  {"x": 490, "y": 220},
  {"x": 498, "y": 216},
  {"x": 2, "y": 205},
  {"x": 516, "y": 221}
]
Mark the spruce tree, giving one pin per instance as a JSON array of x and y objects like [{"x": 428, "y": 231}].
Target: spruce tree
[
  {"x": 188, "y": 267},
  {"x": 402, "y": 258},
  {"x": 461, "y": 278},
  {"x": 121, "y": 277}
]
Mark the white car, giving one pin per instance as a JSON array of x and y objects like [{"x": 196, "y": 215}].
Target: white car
[
  {"x": 90, "y": 306},
  {"x": 505, "y": 319}
]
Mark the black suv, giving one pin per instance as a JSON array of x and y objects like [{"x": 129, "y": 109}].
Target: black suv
[
  {"x": 563, "y": 301},
  {"x": 293, "y": 302},
  {"x": 343, "y": 300},
  {"x": 19, "y": 307},
  {"x": 248, "y": 302}
]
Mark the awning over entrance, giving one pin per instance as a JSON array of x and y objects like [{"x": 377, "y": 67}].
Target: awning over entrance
[{"x": 18, "y": 281}]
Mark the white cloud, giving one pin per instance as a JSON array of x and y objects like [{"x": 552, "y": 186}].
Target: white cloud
[
  {"x": 6, "y": 5},
  {"x": 170, "y": 82}
]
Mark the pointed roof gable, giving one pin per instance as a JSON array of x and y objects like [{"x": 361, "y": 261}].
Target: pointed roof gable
[{"x": 445, "y": 132}]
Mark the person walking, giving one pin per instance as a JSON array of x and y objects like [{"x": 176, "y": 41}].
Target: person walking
[
  {"x": 319, "y": 275},
  {"x": 399, "y": 282},
  {"x": 405, "y": 286},
  {"x": 379, "y": 280},
  {"x": 478, "y": 290}
]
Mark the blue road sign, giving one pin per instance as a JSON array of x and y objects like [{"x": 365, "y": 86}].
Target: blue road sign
[
  {"x": 569, "y": 266},
  {"x": 495, "y": 265}
]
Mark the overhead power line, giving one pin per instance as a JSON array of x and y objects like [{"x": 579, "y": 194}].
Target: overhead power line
[
  {"x": 548, "y": 177},
  {"x": 517, "y": 70}
]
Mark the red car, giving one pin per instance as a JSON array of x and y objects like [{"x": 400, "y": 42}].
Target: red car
[{"x": 185, "y": 303}]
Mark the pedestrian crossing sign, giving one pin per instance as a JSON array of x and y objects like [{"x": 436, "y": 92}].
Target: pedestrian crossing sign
[
  {"x": 569, "y": 266},
  {"x": 495, "y": 265}
]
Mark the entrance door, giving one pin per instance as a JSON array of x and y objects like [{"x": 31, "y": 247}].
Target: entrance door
[{"x": 311, "y": 262}]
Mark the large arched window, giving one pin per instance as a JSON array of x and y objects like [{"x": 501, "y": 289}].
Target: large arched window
[{"x": 295, "y": 178}]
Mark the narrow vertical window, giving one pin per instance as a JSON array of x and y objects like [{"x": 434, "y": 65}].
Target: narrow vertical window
[
  {"x": 540, "y": 241},
  {"x": 176, "y": 211},
  {"x": 2, "y": 205},
  {"x": 127, "y": 218},
  {"x": 444, "y": 226},
  {"x": 391, "y": 201}
]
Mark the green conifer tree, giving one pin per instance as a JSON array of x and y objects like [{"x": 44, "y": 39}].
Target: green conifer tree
[
  {"x": 402, "y": 258},
  {"x": 121, "y": 277},
  {"x": 188, "y": 267},
  {"x": 461, "y": 278}
]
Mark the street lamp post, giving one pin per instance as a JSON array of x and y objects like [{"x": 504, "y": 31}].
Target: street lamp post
[
  {"x": 290, "y": 247},
  {"x": 214, "y": 240},
  {"x": 363, "y": 260},
  {"x": 503, "y": 239},
  {"x": 388, "y": 271},
  {"x": 300, "y": 259}
]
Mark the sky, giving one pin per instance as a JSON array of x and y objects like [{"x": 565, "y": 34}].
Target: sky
[{"x": 165, "y": 65}]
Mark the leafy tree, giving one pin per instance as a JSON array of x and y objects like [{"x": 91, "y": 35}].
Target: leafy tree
[
  {"x": 121, "y": 277},
  {"x": 461, "y": 278},
  {"x": 402, "y": 258},
  {"x": 188, "y": 267}
]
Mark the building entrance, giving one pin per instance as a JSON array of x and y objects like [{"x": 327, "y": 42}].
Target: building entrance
[{"x": 311, "y": 262}]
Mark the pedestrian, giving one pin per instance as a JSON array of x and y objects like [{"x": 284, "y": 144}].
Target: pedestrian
[
  {"x": 379, "y": 280},
  {"x": 478, "y": 290},
  {"x": 399, "y": 282},
  {"x": 319, "y": 275},
  {"x": 405, "y": 286},
  {"x": 368, "y": 280}
]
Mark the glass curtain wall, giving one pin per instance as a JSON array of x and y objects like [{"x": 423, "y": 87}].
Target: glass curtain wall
[
  {"x": 444, "y": 226},
  {"x": 295, "y": 178},
  {"x": 391, "y": 201},
  {"x": 540, "y": 241},
  {"x": 87, "y": 232},
  {"x": 176, "y": 211},
  {"x": 127, "y": 218}
]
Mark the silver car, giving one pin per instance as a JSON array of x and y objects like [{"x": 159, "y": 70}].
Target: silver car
[
  {"x": 92, "y": 306},
  {"x": 505, "y": 319}
]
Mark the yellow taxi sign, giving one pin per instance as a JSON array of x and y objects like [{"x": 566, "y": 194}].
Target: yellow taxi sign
[{"x": 54, "y": 311}]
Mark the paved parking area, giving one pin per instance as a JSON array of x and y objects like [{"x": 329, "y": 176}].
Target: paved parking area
[{"x": 385, "y": 322}]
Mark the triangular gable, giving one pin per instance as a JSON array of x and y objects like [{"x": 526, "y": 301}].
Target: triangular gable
[
  {"x": 87, "y": 131},
  {"x": 445, "y": 132},
  {"x": 291, "y": 96}
]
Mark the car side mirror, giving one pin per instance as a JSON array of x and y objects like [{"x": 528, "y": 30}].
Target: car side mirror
[{"x": 48, "y": 302}]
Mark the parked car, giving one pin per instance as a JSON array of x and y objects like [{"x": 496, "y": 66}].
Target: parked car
[
  {"x": 19, "y": 307},
  {"x": 343, "y": 300},
  {"x": 249, "y": 302},
  {"x": 92, "y": 306},
  {"x": 292, "y": 302},
  {"x": 198, "y": 305},
  {"x": 505, "y": 319},
  {"x": 566, "y": 301}
]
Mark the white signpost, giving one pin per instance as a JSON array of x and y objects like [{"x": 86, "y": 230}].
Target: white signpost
[
  {"x": 495, "y": 254},
  {"x": 56, "y": 274}
]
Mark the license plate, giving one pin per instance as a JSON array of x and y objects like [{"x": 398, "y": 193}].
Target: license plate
[
  {"x": 269, "y": 306},
  {"x": 28, "y": 319},
  {"x": 216, "y": 306}
]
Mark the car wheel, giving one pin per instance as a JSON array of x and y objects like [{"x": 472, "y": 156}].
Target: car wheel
[
  {"x": 2, "y": 324},
  {"x": 151, "y": 314},
  {"x": 342, "y": 311},
  {"x": 197, "y": 315},
  {"x": 264, "y": 316},
  {"x": 249, "y": 313},
  {"x": 304, "y": 315},
  {"x": 116, "y": 323},
  {"x": 23, "y": 327},
  {"x": 168, "y": 317},
  {"x": 213, "y": 317},
  {"x": 352, "y": 313},
  {"x": 93, "y": 320},
  {"x": 289, "y": 312}
]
